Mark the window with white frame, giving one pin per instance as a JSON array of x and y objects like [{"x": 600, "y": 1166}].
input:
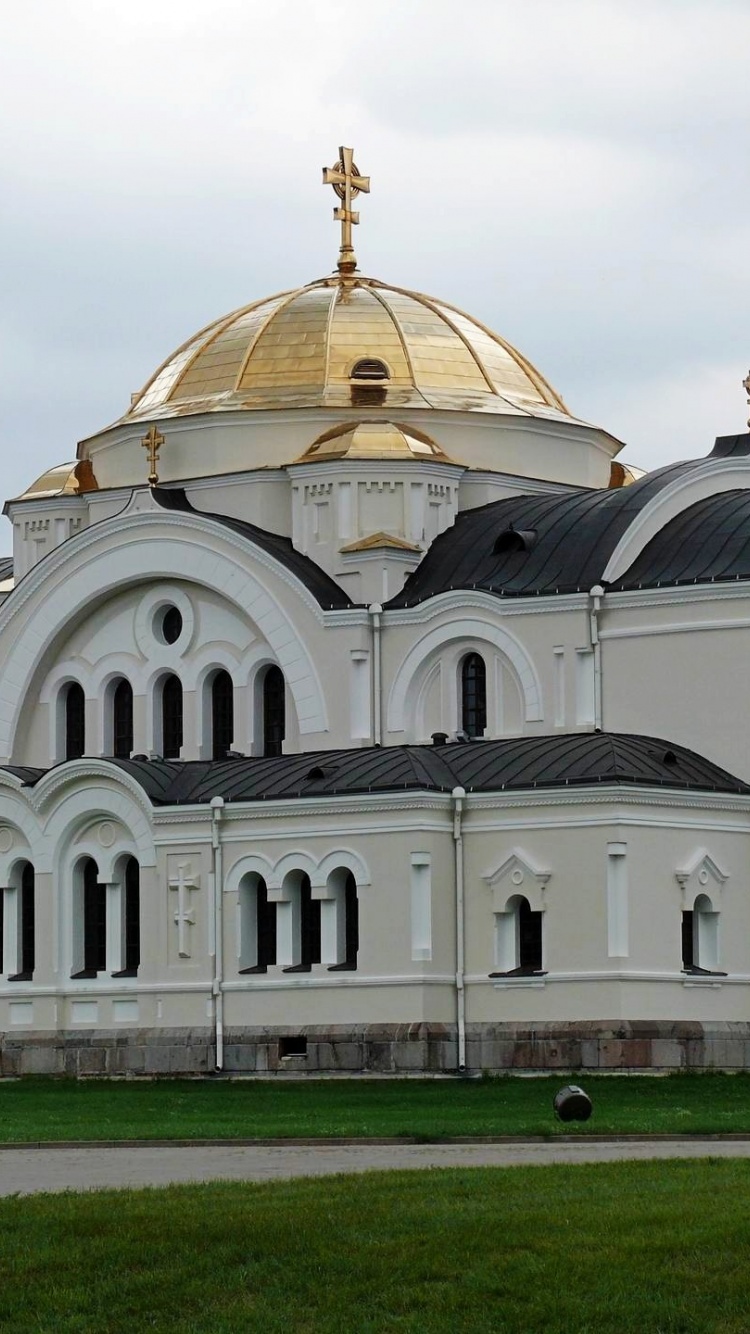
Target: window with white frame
[
  {"x": 518, "y": 939},
  {"x": 17, "y": 925},
  {"x": 700, "y": 937}
]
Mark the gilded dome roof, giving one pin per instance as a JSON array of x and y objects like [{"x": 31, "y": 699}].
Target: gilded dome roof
[
  {"x": 372, "y": 440},
  {"x": 343, "y": 342}
]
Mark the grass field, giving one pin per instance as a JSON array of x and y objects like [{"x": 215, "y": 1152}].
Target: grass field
[
  {"x": 641, "y": 1247},
  {"x": 43, "y": 1109}
]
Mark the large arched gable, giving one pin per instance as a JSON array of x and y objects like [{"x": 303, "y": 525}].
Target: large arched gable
[{"x": 143, "y": 543}]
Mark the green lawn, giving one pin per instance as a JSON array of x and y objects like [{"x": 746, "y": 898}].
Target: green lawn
[
  {"x": 44, "y": 1109},
  {"x": 641, "y": 1247}
]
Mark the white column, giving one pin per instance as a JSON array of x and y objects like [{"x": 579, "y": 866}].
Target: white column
[
  {"x": 361, "y": 720},
  {"x": 11, "y": 932},
  {"x": 115, "y": 927},
  {"x": 558, "y": 668}
]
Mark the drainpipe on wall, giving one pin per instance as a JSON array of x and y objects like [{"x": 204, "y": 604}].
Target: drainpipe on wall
[
  {"x": 375, "y": 610},
  {"x": 458, "y": 794},
  {"x": 217, "y": 812},
  {"x": 596, "y": 594}
]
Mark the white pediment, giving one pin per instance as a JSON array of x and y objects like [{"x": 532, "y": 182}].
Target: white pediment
[
  {"x": 701, "y": 875},
  {"x": 517, "y": 873}
]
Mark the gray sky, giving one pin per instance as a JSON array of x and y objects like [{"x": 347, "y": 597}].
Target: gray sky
[{"x": 572, "y": 172}]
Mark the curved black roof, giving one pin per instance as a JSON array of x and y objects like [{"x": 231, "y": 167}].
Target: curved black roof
[
  {"x": 574, "y": 537},
  {"x": 516, "y": 764},
  {"x": 323, "y": 588},
  {"x": 568, "y": 540},
  {"x": 709, "y": 542}
]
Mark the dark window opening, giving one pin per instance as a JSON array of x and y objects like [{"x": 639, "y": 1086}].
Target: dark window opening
[
  {"x": 473, "y": 695},
  {"x": 132, "y": 922},
  {"x": 94, "y": 922},
  {"x": 75, "y": 721},
  {"x": 222, "y": 715},
  {"x": 28, "y": 936},
  {"x": 265, "y": 931},
  {"x": 309, "y": 929},
  {"x": 122, "y": 720},
  {"x": 529, "y": 938},
  {"x": 293, "y": 1046},
  {"x": 171, "y": 625},
  {"x": 370, "y": 368},
  {"x": 274, "y": 711},
  {"x": 351, "y": 928},
  {"x": 688, "y": 945},
  {"x": 171, "y": 717}
]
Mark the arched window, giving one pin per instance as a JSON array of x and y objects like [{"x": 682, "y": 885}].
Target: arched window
[
  {"x": 90, "y": 927},
  {"x": 17, "y": 932},
  {"x": 307, "y": 947},
  {"x": 346, "y": 908},
  {"x": 274, "y": 710},
  {"x": 222, "y": 715},
  {"x": 257, "y": 926},
  {"x": 75, "y": 721},
  {"x": 473, "y": 695},
  {"x": 700, "y": 937},
  {"x": 122, "y": 720},
  {"x": 518, "y": 939},
  {"x": 171, "y": 717}
]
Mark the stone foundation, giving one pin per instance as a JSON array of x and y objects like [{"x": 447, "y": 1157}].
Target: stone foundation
[{"x": 390, "y": 1049}]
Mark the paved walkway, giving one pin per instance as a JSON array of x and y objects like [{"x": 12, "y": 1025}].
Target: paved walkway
[{"x": 28, "y": 1171}]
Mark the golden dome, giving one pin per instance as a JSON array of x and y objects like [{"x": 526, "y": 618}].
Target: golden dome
[
  {"x": 343, "y": 342},
  {"x": 372, "y": 440},
  {"x": 65, "y": 479}
]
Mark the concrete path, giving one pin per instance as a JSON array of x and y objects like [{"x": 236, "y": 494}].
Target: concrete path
[{"x": 29, "y": 1171}]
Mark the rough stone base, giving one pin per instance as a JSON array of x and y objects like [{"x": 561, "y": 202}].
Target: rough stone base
[{"x": 388, "y": 1049}]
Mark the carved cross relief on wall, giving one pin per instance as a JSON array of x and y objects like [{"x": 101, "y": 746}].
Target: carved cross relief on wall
[{"x": 182, "y": 884}]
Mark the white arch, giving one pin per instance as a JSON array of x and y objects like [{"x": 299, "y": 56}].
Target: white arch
[
  {"x": 300, "y": 861},
  {"x": 341, "y": 858},
  {"x": 710, "y": 479},
  {"x": 114, "y": 797},
  {"x": 255, "y": 864},
  {"x": 408, "y": 674},
  {"x": 138, "y": 547}
]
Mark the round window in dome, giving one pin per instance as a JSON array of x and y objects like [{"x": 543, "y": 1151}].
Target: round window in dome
[{"x": 169, "y": 624}]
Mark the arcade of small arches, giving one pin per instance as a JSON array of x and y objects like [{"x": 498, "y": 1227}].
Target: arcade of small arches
[{"x": 119, "y": 738}]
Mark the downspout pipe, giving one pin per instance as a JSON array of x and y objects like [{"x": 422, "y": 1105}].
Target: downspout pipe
[
  {"x": 376, "y": 611},
  {"x": 596, "y": 596},
  {"x": 459, "y": 795},
  {"x": 217, "y": 988}
]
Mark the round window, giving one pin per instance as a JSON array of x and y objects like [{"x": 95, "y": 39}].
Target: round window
[{"x": 171, "y": 625}]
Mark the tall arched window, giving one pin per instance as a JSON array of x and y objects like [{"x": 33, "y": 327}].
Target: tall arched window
[
  {"x": 307, "y": 948},
  {"x": 18, "y": 962},
  {"x": 274, "y": 711},
  {"x": 518, "y": 938},
  {"x": 700, "y": 937},
  {"x": 122, "y": 720},
  {"x": 75, "y": 721},
  {"x": 473, "y": 695},
  {"x": 91, "y": 928},
  {"x": 257, "y": 926},
  {"x": 222, "y": 715},
  {"x": 347, "y": 924},
  {"x": 171, "y": 717}
]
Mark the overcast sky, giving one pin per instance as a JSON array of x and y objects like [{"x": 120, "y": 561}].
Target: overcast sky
[{"x": 575, "y": 173}]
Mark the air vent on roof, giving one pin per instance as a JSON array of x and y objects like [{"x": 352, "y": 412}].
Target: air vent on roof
[
  {"x": 316, "y": 773},
  {"x": 369, "y": 368},
  {"x": 514, "y": 539},
  {"x": 669, "y": 757}
]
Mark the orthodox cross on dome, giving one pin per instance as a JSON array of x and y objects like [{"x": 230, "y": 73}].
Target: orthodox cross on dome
[
  {"x": 345, "y": 178},
  {"x": 153, "y": 441},
  {"x": 746, "y": 387}
]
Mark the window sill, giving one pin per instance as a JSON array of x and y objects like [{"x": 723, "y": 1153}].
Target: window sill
[
  {"x": 695, "y": 971},
  {"x": 345, "y": 967},
  {"x": 126, "y": 972},
  {"x": 256, "y": 968},
  {"x": 522, "y": 973},
  {"x": 21, "y": 977},
  {"x": 85, "y": 973}
]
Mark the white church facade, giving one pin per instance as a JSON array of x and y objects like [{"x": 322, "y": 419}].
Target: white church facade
[{"x": 360, "y": 712}]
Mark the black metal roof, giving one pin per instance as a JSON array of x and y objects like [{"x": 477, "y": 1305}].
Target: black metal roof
[
  {"x": 516, "y": 764},
  {"x": 6, "y": 567},
  {"x": 709, "y": 542},
  {"x": 323, "y": 588},
  {"x": 568, "y": 540}
]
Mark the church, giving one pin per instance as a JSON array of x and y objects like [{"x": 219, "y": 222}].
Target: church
[{"x": 360, "y": 712}]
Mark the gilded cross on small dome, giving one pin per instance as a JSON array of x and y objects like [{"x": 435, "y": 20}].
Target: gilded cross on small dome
[
  {"x": 153, "y": 441},
  {"x": 746, "y": 387},
  {"x": 345, "y": 178}
]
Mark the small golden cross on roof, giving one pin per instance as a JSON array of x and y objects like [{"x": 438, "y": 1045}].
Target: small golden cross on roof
[
  {"x": 746, "y": 387},
  {"x": 345, "y": 178},
  {"x": 153, "y": 441}
]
